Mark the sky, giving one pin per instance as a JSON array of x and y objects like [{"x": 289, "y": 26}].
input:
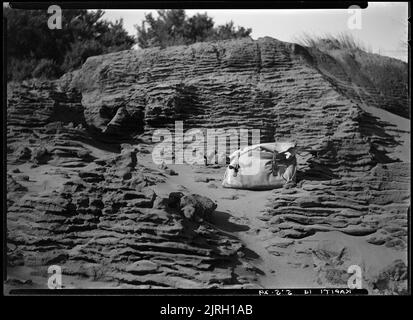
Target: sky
[{"x": 383, "y": 27}]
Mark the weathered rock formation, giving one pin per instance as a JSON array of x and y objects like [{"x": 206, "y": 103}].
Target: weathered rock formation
[
  {"x": 376, "y": 205},
  {"x": 285, "y": 90},
  {"x": 105, "y": 216},
  {"x": 104, "y": 224}
]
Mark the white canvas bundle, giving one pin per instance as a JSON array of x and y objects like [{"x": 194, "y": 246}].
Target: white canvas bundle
[{"x": 253, "y": 167}]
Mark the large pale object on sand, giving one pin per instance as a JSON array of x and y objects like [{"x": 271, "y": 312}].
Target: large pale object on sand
[{"x": 262, "y": 166}]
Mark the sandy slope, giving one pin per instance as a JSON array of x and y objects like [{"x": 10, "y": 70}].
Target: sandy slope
[{"x": 397, "y": 126}]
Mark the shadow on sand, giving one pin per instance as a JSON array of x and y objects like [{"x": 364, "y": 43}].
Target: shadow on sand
[{"x": 221, "y": 220}]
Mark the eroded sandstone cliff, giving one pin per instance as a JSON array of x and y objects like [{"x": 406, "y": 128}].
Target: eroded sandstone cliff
[{"x": 97, "y": 211}]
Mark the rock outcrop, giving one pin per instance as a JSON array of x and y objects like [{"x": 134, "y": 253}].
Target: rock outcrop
[
  {"x": 283, "y": 89},
  {"x": 374, "y": 205},
  {"x": 104, "y": 225},
  {"x": 98, "y": 215}
]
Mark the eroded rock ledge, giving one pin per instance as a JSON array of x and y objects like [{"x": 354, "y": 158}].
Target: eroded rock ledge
[{"x": 375, "y": 205}]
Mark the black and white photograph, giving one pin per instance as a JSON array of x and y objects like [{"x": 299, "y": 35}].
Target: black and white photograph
[{"x": 263, "y": 151}]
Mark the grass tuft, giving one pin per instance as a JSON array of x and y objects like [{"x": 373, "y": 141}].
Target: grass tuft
[{"x": 332, "y": 42}]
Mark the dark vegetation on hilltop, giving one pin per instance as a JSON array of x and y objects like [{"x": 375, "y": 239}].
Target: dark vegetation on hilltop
[
  {"x": 35, "y": 51},
  {"x": 174, "y": 27}
]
